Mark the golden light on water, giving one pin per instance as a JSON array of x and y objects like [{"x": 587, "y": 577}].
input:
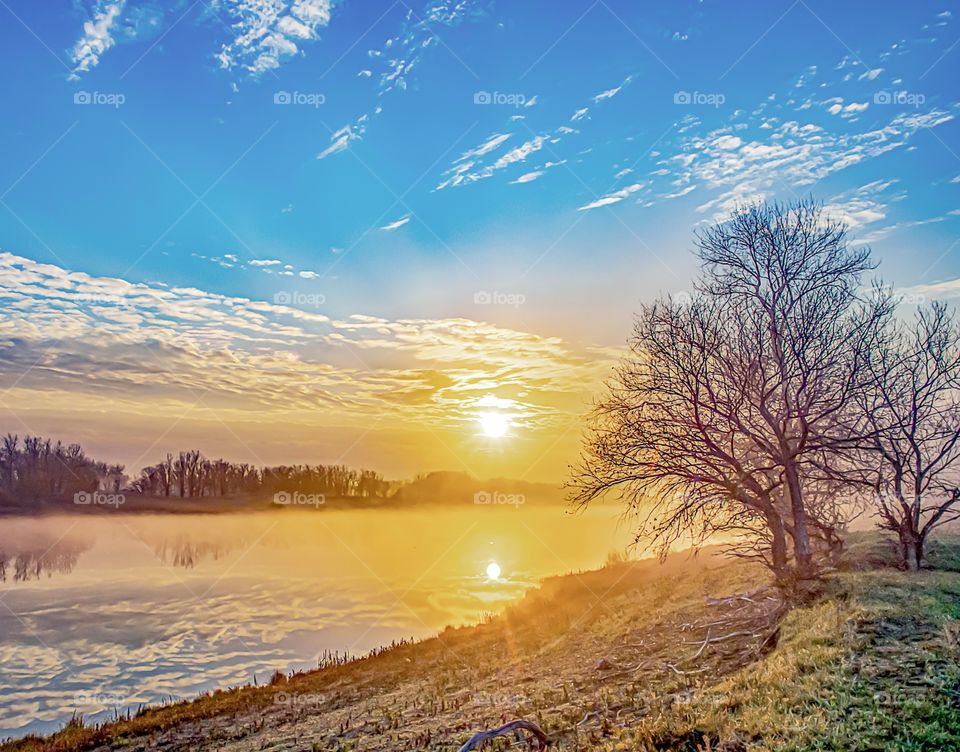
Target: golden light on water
[{"x": 493, "y": 571}]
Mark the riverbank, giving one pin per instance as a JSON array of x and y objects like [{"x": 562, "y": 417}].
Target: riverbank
[
  {"x": 134, "y": 504},
  {"x": 433, "y": 489},
  {"x": 636, "y": 655}
]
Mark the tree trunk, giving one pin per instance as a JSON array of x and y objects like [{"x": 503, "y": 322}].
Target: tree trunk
[
  {"x": 911, "y": 549},
  {"x": 778, "y": 545},
  {"x": 802, "y": 550}
]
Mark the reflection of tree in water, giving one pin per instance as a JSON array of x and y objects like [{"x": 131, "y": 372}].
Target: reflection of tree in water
[
  {"x": 27, "y": 561},
  {"x": 187, "y": 553}
]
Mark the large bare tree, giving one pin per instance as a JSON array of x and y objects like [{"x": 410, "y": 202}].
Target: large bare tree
[
  {"x": 725, "y": 412},
  {"x": 914, "y": 411},
  {"x": 789, "y": 277},
  {"x": 669, "y": 436}
]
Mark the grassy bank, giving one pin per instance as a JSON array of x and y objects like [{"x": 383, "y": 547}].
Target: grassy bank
[{"x": 636, "y": 656}]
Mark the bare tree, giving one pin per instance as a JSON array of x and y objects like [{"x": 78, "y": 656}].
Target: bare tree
[
  {"x": 914, "y": 411},
  {"x": 725, "y": 412},
  {"x": 668, "y": 437},
  {"x": 788, "y": 277},
  {"x": 39, "y": 468}
]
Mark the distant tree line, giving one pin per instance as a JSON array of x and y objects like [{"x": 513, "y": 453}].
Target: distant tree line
[
  {"x": 191, "y": 475},
  {"x": 37, "y": 467},
  {"x": 781, "y": 399}
]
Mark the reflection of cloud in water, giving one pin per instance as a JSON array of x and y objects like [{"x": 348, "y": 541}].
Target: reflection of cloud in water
[{"x": 161, "y": 607}]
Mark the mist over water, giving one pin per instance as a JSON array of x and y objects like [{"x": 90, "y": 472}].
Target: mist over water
[{"x": 104, "y": 612}]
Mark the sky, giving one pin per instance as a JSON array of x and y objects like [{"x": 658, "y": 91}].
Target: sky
[{"x": 316, "y": 231}]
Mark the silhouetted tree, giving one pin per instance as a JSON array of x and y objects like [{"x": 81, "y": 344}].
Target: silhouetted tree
[
  {"x": 726, "y": 410},
  {"x": 669, "y": 437},
  {"x": 38, "y": 468},
  {"x": 191, "y": 475},
  {"x": 789, "y": 280},
  {"x": 914, "y": 411}
]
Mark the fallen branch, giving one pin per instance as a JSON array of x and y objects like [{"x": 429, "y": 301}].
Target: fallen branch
[
  {"x": 678, "y": 672},
  {"x": 481, "y": 736},
  {"x": 730, "y": 599},
  {"x": 710, "y": 640}
]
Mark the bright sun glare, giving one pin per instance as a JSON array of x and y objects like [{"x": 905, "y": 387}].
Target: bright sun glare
[
  {"x": 494, "y": 425},
  {"x": 493, "y": 571}
]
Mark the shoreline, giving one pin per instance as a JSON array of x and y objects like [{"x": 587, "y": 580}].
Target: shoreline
[
  {"x": 280, "y": 688},
  {"x": 234, "y": 505},
  {"x": 629, "y": 656}
]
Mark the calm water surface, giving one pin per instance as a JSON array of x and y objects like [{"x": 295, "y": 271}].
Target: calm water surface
[{"x": 105, "y": 612}]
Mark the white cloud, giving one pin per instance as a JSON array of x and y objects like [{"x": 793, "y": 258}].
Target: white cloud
[
  {"x": 883, "y": 232},
  {"x": 104, "y": 338},
  {"x": 341, "y": 139},
  {"x": 97, "y": 37},
  {"x": 681, "y": 192},
  {"x": 791, "y": 153},
  {"x": 943, "y": 290},
  {"x": 612, "y": 92},
  {"x": 397, "y": 224},
  {"x": 520, "y": 153},
  {"x": 861, "y": 206},
  {"x": 727, "y": 142},
  {"x": 614, "y": 197},
  {"x": 608, "y": 94},
  {"x": 264, "y": 32},
  {"x": 527, "y": 177},
  {"x": 269, "y": 31},
  {"x": 487, "y": 146},
  {"x": 464, "y": 172},
  {"x": 265, "y": 262},
  {"x": 338, "y": 143}
]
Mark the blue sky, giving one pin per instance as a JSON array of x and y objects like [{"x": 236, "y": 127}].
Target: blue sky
[{"x": 380, "y": 172}]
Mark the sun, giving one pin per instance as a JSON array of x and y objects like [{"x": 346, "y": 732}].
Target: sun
[
  {"x": 493, "y": 571},
  {"x": 494, "y": 425}
]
